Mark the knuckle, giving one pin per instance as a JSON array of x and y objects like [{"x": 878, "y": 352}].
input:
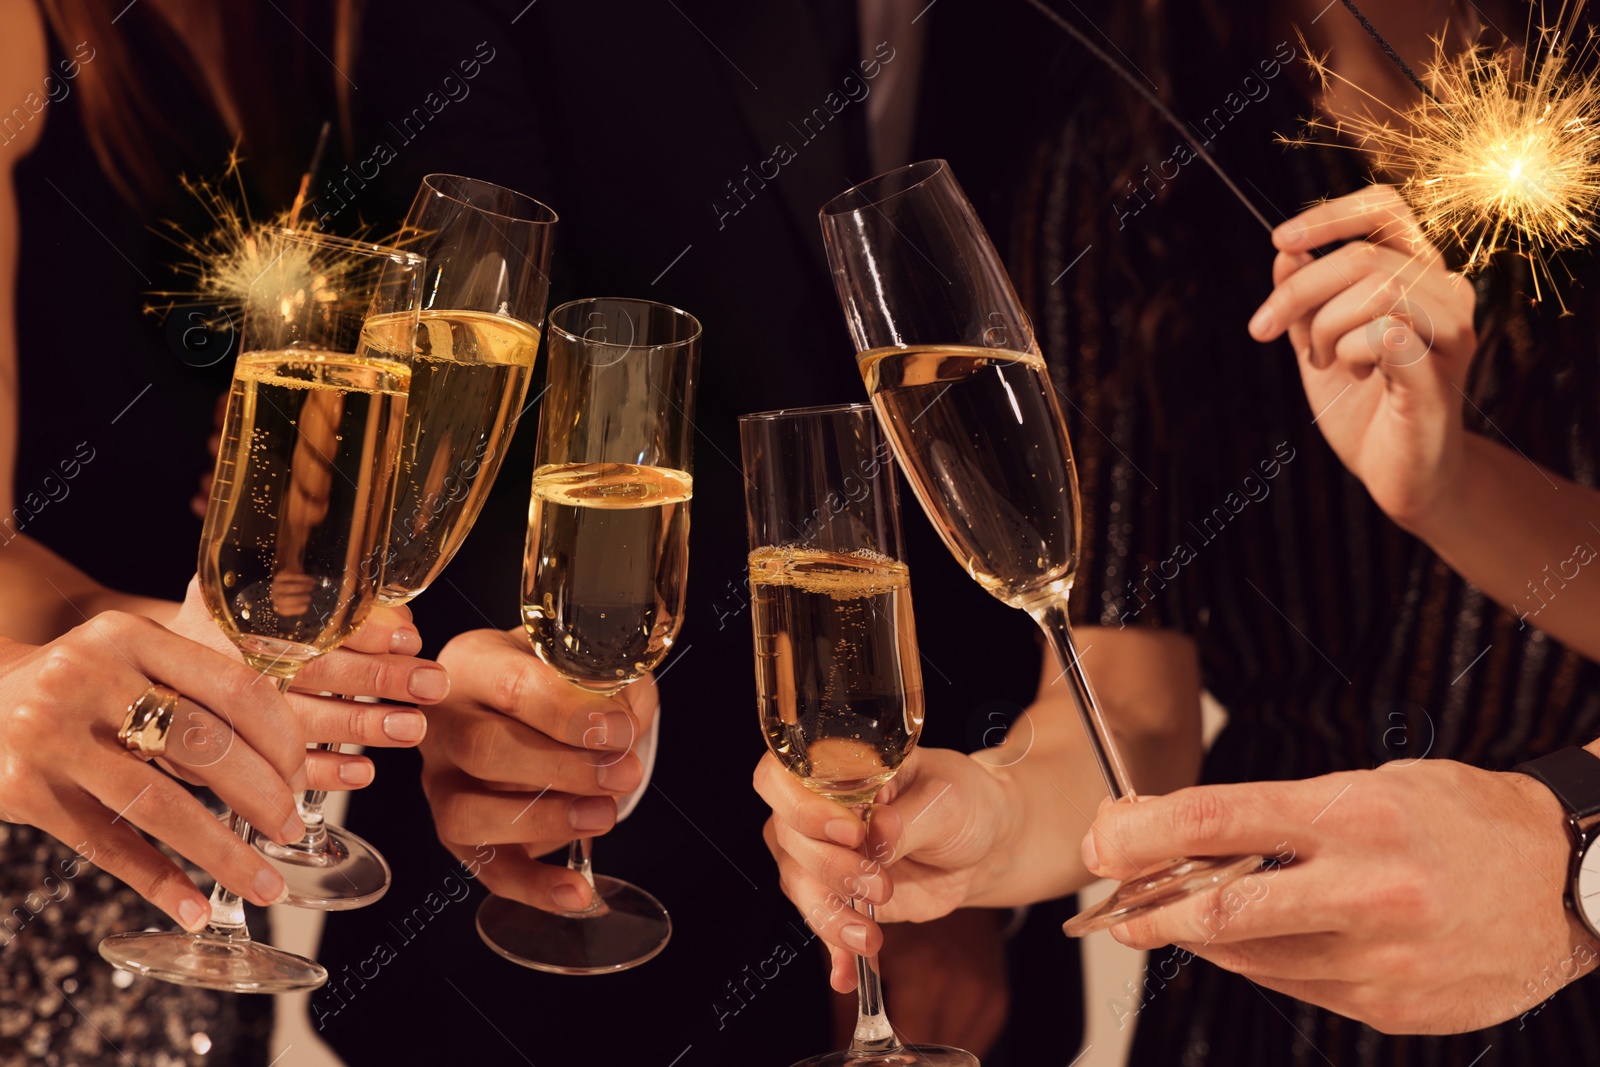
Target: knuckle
[
  {"x": 576, "y": 770},
  {"x": 61, "y": 669},
  {"x": 362, "y": 723},
  {"x": 476, "y": 745},
  {"x": 165, "y": 881},
  {"x": 511, "y": 687},
  {"x": 1200, "y": 817},
  {"x": 453, "y": 816}
]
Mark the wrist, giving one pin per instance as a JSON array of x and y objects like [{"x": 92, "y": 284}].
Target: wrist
[
  {"x": 1447, "y": 507},
  {"x": 1549, "y": 846},
  {"x": 1004, "y": 809}
]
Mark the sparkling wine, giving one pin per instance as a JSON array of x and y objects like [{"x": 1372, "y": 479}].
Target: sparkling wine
[
  {"x": 300, "y": 503},
  {"x": 983, "y": 444},
  {"x": 468, "y": 384},
  {"x": 607, "y": 559},
  {"x": 838, "y": 680}
]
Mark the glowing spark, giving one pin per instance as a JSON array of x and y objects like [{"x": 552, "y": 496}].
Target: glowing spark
[
  {"x": 241, "y": 255},
  {"x": 1507, "y": 157}
]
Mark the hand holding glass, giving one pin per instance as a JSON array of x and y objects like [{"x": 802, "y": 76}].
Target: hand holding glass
[
  {"x": 950, "y": 361},
  {"x": 295, "y": 527},
  {"x": 838, "y": 675},
  {"x": 487, "y": 279},
  {"x": 603, "y": 578}
]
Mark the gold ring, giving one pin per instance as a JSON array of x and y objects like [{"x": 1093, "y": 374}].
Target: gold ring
[{"x": 144, "y": 731}]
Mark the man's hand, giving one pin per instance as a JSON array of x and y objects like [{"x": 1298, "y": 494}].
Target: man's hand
[
  {"x": 1426, "y": 898},
  {"x": 934, "y": 826},
  {"x": 516, "y": 755}
]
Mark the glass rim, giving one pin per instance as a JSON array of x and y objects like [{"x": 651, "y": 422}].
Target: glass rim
[
  {"x": 857, "y": 197},
  {"x": 552, "y": 329},
  {"x": 374, "y": 249},
  {"x": 544, "y": 214},
  {"x": 811, "y": 411}
]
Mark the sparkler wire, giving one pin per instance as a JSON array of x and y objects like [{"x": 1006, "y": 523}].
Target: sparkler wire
[
  {"x": 1154, "y": 101},
  {"x": 1388, "y": 50}
]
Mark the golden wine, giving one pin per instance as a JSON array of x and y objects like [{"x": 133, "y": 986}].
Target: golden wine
[
  {"x": 468, "y": 383},
  {"x": 300, "y": 503},
  {"x": 607, "y": 560},
  {"x": 983, "y": 444},
  {"x": 837, "y": 674}
]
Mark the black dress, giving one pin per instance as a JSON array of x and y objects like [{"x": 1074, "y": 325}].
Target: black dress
[
  {"x": 1213, "y": 507},
  {"x": 115, "y": 408}
]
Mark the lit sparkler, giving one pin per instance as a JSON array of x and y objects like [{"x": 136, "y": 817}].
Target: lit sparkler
[
  {"x": 1503, "y": 151},
  {"x": 240, "y": 253}
]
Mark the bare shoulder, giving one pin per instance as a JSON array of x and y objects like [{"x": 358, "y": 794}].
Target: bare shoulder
[{"x": 25, "y": 90}]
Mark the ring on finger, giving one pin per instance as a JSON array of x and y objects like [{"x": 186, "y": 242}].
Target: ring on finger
[{"x": 149, "y": 719}]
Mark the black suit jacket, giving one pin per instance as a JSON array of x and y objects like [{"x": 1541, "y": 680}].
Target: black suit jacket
[{"x": 686, "y": 145}]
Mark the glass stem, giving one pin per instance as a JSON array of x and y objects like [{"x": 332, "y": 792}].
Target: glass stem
[
  {"x": 578, "y": 860},
  {"x": 227, "y": 907},
  {"x": 873, "y": 1033},
  {"x": 1052, "y": 619},
  {"x": 310, "y": 804}
]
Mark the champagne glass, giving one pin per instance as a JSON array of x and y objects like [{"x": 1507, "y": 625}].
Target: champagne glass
[
  {"x": 603, "y": 578},
  {"x": 299, "y": 512},
  {"x": 487, "y": 279},
  {"x": 950, "y": 361},
  {"x": 838, "y": 679}
]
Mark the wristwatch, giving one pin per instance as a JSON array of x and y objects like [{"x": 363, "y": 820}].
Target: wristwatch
[{"x": 1573, "y": 775}]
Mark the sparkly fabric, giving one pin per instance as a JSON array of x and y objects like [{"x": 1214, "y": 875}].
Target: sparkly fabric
[
  {"x": 61, "y": 1005},
  {"x": 1212, "y": 506}
]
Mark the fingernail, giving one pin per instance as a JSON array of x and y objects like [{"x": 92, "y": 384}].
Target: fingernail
[
  {"x": 568, "y": 897},
  {"x": 1119, "y": 933},
  {"x": 589, "y": 814},
  {"x": 298, "y": 781},
  {"x": 1262, "y": 324},
  {"x": 193, "y": 916},
  {"x": 619, "y": 777},
  {"x": 429, "y": 683},
  {"x": 293, "y": 830},
  {"x": 270, "y": 887},
  {"x": 1090, "y": 859},
  {"x": 842, "y": 831},
  {"x": 355, "y": 772},
  {"x": 855, "y": 936},
  {"x": 618, "y": 731},
  {"x": 405, "y": 642},
  {"x": 405, "y": 725}
]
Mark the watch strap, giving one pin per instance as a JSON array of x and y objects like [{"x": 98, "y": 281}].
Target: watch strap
[{"x": 1573, "y": 775}]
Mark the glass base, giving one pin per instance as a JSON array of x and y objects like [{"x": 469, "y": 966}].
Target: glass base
[
  {"x": 346, "y": 873},
  {"x": 905, "y": 1056},
  {"x": 1157, "y": 889},
  {"x": 628, "y": 927},
  {"x": 210, "y": 961}
]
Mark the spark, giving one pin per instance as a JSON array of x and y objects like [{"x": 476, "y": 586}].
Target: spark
[
  {"x": 1505, "y": 154},
  {"x": 242, "y": 258}
]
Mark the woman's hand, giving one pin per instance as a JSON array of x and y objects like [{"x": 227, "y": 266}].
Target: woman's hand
[
  {"x": 933, "y": 827},
  {"x": 378, "y": 660},
  {"x": 1383, "y": 303},
  {"x": 1426, "y": 898},
  {"x": 63, "y": 769},
  {"x": 517, "y": 756}
]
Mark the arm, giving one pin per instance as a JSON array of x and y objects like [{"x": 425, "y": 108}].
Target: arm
[
  {"x": 41, "y": 595},
  {"x": 1385, "y": 338},
  {"x": 994, "y": 829}
]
